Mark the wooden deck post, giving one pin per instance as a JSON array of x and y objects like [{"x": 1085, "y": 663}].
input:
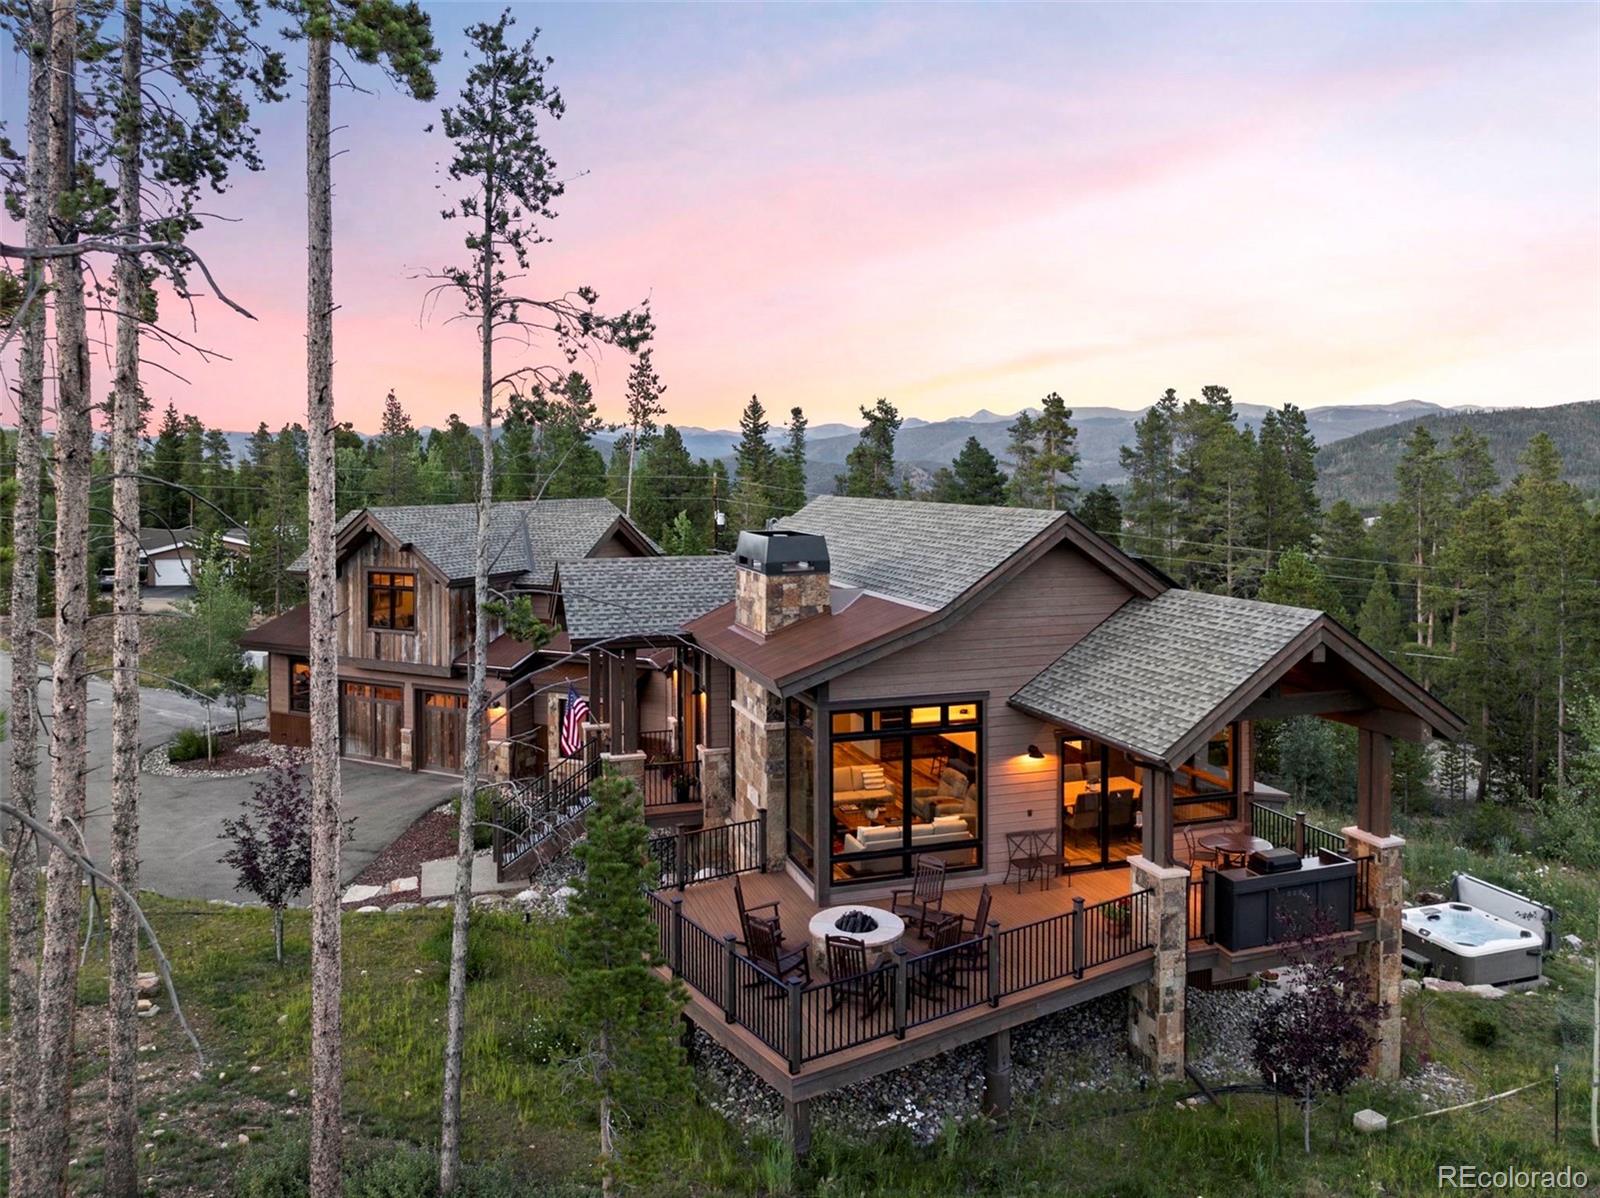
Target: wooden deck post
[
  {"x": 997, "y": 1073},
  {"x": 1077, "y": 936},
  {"x": 797, "y": 1025},
  {"x": 730, "y": 978},
  {"x": 761, "y": 839},
  {"x": 994, "y": 962},
  {"x": 675, "y": 962},
  {"x": 1300, "y": 833},
  {"x": 900, "y": 983},
  {"x": 797, "y": 1125},
  {"x": 628, "y": 707},
  {"x": 680, "y": 867},
  {"x": 1156, "y": 843},
  {"x": 1374, "y": 762}
]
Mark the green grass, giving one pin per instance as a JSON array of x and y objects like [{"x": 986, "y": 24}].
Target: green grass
[{"x": 523, "y": 1116}]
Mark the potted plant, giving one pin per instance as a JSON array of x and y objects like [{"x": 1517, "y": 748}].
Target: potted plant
[
  {"x": 1119, "y": 917},
  {"x": 683, "y": 788}
]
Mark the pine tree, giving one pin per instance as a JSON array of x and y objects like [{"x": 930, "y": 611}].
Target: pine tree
[
  {"x": 1021, "y": 436},
  {"x": 1102, "y": 512},
  {"x": 644, "y": 405},
  {"x": 1297, "y": 580},
  {"x": 753, "y": 466},
  {"x": 625, "y": 1013},
  {"x": 1151, "y": 508},
  {"x": 1286, "y": 498},
  {"x": 1047, "y": 456},
  {"x": 682, "y": 538},
  {"x": 394, "y": 458},
  {"x": 869, "y": 467},
  {"x": 975, "y": 477},
  {"x": 1345, "y": 550},
  {"x": 1476, "y": 557},
  {"x": 1417, "y": 520},
  {"x": 788, "y": 492},
  {"x": 568, "y": 464},
  {"x": 1472, "y": 464},
  {"x": 1380, "y": 622},
  {"x": 670, "y": 482}
]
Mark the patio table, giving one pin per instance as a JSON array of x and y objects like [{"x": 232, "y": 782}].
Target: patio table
[{"x": 1234, "y": 844}]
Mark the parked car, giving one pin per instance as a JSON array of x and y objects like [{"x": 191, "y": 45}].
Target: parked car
[{"x": 108, "y": 579}]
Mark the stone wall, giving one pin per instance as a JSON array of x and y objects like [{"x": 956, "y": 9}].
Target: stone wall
[
  {"x": 1381, "y": 957},
  {"x": 716, "y": 784},
  {"x": 1156, "y": 1008},
  {"x": 766, "y": 603},
  {"x": 759, "y": 767}
]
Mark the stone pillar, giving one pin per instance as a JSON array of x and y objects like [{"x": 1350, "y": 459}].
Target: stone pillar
[
  {"x": 497, "y": 762},
  {"x": 406, "y": 757},
  {"x": 797, "y": 1125},
  {"x": 759, "y": 767},
  {"x": 997, "y": 1073},
  {"x": 1381, "y": 957},
  {"x": 1156, "y": 1008},
  {"x": 625, "y": 765},
  {"x": 716, "y": 784}
]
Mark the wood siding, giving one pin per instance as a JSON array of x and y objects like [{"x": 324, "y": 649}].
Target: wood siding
[
  {"x": 443, "y": 613},
  {"x": 1008, "y": 639}
]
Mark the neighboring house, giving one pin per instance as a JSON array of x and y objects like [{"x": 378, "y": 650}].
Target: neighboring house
[
  {"x": 405, "y": 629},
  {"x": 885, "y": 684},
  {"x": 167, "y": 555}
]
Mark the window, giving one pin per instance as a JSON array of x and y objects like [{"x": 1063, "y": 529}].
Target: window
[
  {"x": 801, "y": 759},
  {"x": 392, "y": 601},
  {"x": 299, "y": 684},
  {"x": 1205, "y": 787},
  {"x": 905, "y": 781}
]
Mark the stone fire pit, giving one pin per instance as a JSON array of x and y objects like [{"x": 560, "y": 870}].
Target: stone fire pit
[{"x": 880, "y": 939}]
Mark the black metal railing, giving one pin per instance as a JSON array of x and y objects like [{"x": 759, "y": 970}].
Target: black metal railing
[
  {"x": 705, "y": 854},
  {"x": 757, "y": 1001},
  {"x": 1200, "y": 913},
  {"x": 1036, "y": 953},
  {"x": 1363, "y": 882},
  {"x": 1293, "y": 831},
  {"x": 527, "y": 812},
  {"x": 671, "y": 782},
  {"x": 659, "y": 745},
  {"x": 1322, "y": 840},
  {"x": 944, "y": 981},
  {"x": 1111, "y": 929},
  {"x": 1271, "y": 824},
  {"x": 868, "y": 999}
]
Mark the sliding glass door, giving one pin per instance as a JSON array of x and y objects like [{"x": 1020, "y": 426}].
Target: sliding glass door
[{"x": 1102, "y": 812}]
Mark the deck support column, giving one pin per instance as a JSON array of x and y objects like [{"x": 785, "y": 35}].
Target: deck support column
[
  {"x": 1156, "y": 1008},
  {"x": 625, "y": 765},
  {"x": 1380, "y": 957},
  {"x": 797, "y": 1125},
  {"x": 716, "y": 784},
  {"x": 997, "y": 1073}
]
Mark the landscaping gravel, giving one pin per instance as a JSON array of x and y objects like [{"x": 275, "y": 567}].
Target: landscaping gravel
[{"x": 261, "y": 756}]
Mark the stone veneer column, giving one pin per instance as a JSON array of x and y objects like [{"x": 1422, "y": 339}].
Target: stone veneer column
[
  {"x": 716, "y": 783},
  {"x": 498, "y": 760},
  {"x": 405, "y": 747},
  {"x": 625, "y": 765},
  {"x": 1381, "y": 957},
  {"x": 1156, "y": 1010},
  {"x": 759, "y": 768}
]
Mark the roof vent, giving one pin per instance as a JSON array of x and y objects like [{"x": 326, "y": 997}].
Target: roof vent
[{"x": 777, "y": 551}]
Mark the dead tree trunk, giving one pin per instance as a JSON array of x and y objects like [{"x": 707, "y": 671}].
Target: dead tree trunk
[
  {"x": 477, "y": 704},
  {"x": 327, "y": 1063},
  {"x": 121, "y": 1173},
  {"x": 58, "y": 976},
  {"x": 22, "y": 924}
]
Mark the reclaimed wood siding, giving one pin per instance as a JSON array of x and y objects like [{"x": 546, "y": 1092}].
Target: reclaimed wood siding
[
  {"x": 444, "y": 614},
  {"x": 277, "y": 682},
  {"x": 1012, "y": 635}
]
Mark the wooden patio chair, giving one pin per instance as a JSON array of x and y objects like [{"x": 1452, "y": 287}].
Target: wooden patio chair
[
  {"x": 1199, "y": 854},
  {"x": 855, "y": 980},
  {"x": 923, "y": 903},
  {"x": 950, "y": 954},
  {"x": 976, "y": 924},
  {"x": 766, "y": 952},
  {"x": 766, "y": 912},
  {"x": 1028, "y": 855}
]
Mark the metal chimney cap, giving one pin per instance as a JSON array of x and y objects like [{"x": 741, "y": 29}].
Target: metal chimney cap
[{"x": 778, "y": 551}]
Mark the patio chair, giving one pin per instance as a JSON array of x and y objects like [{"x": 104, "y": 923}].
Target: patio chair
[
  {"x": 1028, "y": 855},
  {"x": 950, "y": 954},
  {"x": 923, "y": 903},
  {"x": 766, "y": 952},
  {"x": 976, "y": 924},
  {"x": 1199, "y": 854},
  {"x": 766, "y": 912},
  {"x": 854, "y": 979}
]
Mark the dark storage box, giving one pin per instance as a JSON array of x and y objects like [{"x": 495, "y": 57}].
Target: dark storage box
[
  {"x": 1257, "y": 909},
  {"x": 1274, "y": 861}
]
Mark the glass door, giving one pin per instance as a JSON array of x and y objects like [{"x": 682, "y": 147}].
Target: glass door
[{"x": 1102, "y": 814}]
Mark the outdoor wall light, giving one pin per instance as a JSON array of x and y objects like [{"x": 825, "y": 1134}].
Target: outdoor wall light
[{"x": 1034, "y": 753}]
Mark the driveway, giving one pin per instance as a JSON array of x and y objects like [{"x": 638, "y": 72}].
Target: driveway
[{"x": 180, "y": 819}]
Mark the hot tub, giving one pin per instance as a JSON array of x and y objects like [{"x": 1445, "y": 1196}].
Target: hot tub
[{"x": 1472, "y": 946}]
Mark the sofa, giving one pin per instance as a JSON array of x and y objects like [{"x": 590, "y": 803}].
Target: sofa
[
  {"x": 860, "y": 784},
  {"x": 954, "y": 795},
  {"x": 946, "y": 829}
]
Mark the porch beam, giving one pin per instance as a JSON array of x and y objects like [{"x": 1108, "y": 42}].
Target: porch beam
[
  {"x": 614, "y": 699},
  {"x": 1374, "y": 759},
  {"x": 1275, "y": 705},
  {"x": 1157, "y": 841},
  {"x": 628, "y": 708},
  {"x": 1391, "y": 723}
]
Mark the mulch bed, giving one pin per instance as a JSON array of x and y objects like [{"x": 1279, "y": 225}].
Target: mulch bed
[
  {"x": 232, "y": 753},
  {"x": 431, "y": 836}
]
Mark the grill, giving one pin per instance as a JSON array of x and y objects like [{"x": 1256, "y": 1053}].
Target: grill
[{"x": 1274, "y": 861}]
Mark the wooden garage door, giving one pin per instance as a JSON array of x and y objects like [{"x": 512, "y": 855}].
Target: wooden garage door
[
  {"x": 444, "y": 730},
  {"x": 369, "y": 721}
]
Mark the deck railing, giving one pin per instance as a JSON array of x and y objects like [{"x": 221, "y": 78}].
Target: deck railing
[
  {"x": 659, "y": 744},
  {"x": 671, "y": 782},
  {"x": 705, "y": 854},
  {"x": 527, "y": 812},
  {"x": 1200, "y": 910},
  {"x": 1294, "y": 832}
]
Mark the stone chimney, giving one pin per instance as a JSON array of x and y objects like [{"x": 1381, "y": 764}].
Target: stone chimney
[{"x": 782, "y": 579}]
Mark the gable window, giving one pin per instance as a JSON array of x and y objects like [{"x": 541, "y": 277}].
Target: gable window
[
  {"x": 299, "y": 684},
  {"x": 392, "y": 601}
]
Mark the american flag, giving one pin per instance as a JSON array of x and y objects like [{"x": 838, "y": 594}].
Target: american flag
[{"x": 572, "y": 722}]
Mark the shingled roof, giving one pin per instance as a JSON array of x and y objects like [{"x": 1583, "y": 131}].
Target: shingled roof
[
  {"x": 526, "y": 537},
  {"x": 927, "y": 554},
  {"x": 641, "y": 596},
  {"x": 1147, "y": 676}
]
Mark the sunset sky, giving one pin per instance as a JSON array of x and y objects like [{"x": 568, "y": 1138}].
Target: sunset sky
[{"x": 964, "y": 207}]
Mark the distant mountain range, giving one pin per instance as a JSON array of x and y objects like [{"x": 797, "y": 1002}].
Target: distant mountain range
[{"x": 1360, "y": 468}]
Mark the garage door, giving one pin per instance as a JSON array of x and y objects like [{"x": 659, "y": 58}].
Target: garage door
[
  {"x": 171, "y": 572},
  {"x": 444, "y": 730},
  {"x": 369, "y": 721}
]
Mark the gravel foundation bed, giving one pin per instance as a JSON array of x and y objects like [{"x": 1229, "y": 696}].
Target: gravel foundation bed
[
  {"x": 262, "y": 755},
  {"x": 1081, "y": 1049}
]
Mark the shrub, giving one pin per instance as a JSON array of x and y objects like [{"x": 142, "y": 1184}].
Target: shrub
[
  {"x": 1489, "y": 826},
  {"x": 437, "y": 948},
  {"x": 1567, "y": 825},
  {"x": 278, "y": 1171},
  {"x": 190, "y": 745},
  {"x": 1483, "y": 1030},
  {"x": 482, "y": 814}
]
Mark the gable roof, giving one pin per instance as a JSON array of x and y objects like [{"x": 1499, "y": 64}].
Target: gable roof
[
  {"x": 1160, "y": 673},
  {"x": 160, "y": 540},
  {"x": 526, "y": 537},
  {"x": 607, "y": 598}
]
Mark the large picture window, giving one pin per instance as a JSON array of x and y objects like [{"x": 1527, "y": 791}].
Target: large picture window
[
  {"x": 299, "y": 685},
  {"x": 392, "y": 601},
  {"x": 1206, "y": 786},
  {"x": 801, "y": 779},
  {"x": 905, "y": 781}
]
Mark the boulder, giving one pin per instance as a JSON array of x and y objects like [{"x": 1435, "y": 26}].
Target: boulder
[
  {"x": 1409, "y": 986},
  {"x": 1369, "y": 1122},
  {"x": 394, "y": 907},
  {"x": 360, "y": 894},
  {"x": 1484, "y": 990},
  {"x": 399, "y": 885},
  {"x": 1574, "y": 942},
  {"x": 1444, "y": 985},
  {"x": 369, "y": 909},
  {"x": 148, "y": 984}
]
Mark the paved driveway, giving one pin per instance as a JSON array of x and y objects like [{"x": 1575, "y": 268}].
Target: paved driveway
[{"x": 180, "y": 818}]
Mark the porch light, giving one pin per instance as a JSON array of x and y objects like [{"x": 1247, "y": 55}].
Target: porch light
[
  {"x": 1034, "y": 753},
  {"x": 497, "y": 711}
]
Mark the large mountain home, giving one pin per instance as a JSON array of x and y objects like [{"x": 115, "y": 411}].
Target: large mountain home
[
  {"x": 405, "y": 628},
  {"x": 960, "y": 767}
]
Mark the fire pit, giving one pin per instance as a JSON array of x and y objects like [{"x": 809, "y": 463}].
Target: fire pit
[{"x": 879, "y": 930}]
